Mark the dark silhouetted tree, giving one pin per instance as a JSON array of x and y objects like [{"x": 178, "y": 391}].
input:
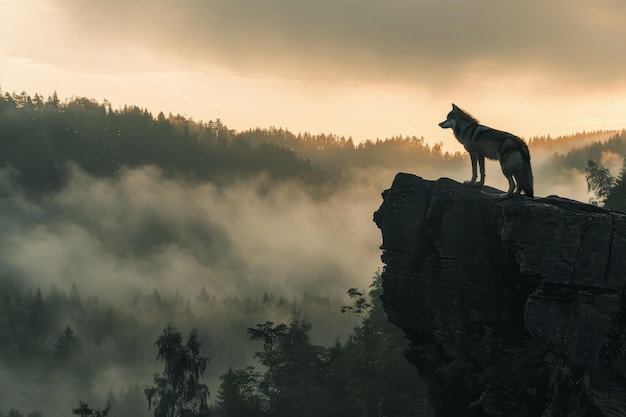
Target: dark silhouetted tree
[
  {"x": 177, "y": 392},
  {"x": 237, "y": 395},
  {"x": 616, "y": 198},
  {"x": 600, "y": 181},
  {"x": 66, "y": 347},
  {"x": 371, "y": 366},
  {"x": 294, "y": 383},
  {"x": 83, "y": 410},
  {"x": 68, "y": 359}
]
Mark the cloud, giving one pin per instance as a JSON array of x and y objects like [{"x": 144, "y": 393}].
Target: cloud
[
  {"x": 138, "y": 231},
  {"x": 121, "y": 238},
  {"x": 350, "y": 41},
  {"x": 141, "y": 231}
]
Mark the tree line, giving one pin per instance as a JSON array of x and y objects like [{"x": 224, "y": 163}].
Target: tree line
[
  {"x": 40, "y": 137},
  {"x": 354, "y": 376},
  {"x": 358, "y": 377}
]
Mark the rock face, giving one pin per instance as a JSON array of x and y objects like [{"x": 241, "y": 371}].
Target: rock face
[{"x": 512, "y": 307}]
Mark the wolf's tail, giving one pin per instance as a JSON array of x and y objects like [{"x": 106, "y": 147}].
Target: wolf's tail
[
  {"x": 526, "y": 180},
  {"x": 525, "y": 177}
]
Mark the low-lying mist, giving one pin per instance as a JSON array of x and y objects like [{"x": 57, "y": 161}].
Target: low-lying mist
[
  {"x": 140, "y": 231},
  {"x": 155, "y": 249},
  {"x": 114, "y": 223}
]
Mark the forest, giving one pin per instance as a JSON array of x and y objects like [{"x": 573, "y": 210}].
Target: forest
[
  {"x": 290, "y": 373},
  {"x": 256, "y": 248},
  {"x": 41, "y": 139}
]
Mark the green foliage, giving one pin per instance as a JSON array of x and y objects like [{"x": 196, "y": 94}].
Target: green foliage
[
  {"x": 616, "y": 197},
  {"x": 373, "y": 363},
  {"x": 119, "y": 336},
  {"x": 238, "y": 394},
  {"x": 294, "y": 367},
  {"x": 304, "y": 379},
  {"x": 600, "y": 181},
  {"x": 361, "y": 307},
  {"x": 66, "y": 346},
  {"x": 70, "y": 365},
  {"x": 298, "y": 376},
  {"x": 40, "y": 140},
  {"x": 177, "y": 392}
]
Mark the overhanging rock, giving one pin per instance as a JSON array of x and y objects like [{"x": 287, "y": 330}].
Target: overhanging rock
[{"x": 512, "y": 307}]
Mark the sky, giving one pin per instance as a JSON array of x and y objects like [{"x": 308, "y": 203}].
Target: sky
[{"x": 361, "y": 68}]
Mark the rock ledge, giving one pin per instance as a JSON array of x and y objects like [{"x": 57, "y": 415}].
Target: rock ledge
[{"x": 512, "y": 307}]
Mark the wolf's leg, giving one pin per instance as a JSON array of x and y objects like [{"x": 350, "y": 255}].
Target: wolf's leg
[
  {"x": 511, "y": 187},
  {"x": 473, "y": 180},
  {"x": 481, "y": 164},
  {"x": 510, "y": 162}
]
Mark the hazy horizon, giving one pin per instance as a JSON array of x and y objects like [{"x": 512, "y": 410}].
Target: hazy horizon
[{"x": 361, "y": 69}]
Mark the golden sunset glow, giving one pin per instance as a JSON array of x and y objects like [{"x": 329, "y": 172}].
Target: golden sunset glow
[{"x": 357, "y": 68}]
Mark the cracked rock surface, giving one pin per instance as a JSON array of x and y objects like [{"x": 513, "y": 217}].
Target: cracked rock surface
[{"x": 512, "y": 307}]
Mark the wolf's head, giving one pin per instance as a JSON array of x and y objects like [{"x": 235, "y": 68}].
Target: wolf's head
[
  {"x": 450, "y": 121},
  {"x": 456, "y": 115}
]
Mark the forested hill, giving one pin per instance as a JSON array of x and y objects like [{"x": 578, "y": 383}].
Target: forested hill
[
  {"x": 40, "y": 136},
  {"x": 221, "y": 217}
]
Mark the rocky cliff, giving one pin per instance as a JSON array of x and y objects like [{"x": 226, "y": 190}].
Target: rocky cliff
[{"x": 511, "y": 307}]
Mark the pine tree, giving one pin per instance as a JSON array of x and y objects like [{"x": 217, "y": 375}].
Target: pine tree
[{"x": 237, "y": 395}]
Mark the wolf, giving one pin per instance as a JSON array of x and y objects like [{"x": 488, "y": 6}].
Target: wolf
[{"x": 484, "y": 142}]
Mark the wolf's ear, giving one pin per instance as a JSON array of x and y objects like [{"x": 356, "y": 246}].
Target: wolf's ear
[{"x": 454, "y": 106}]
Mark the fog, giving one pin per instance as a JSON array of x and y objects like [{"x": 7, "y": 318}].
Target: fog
[
  {"x": 124, "y": 237},
  {"x": 121, "y": 238},
  {"x": 141, "y": 231}
]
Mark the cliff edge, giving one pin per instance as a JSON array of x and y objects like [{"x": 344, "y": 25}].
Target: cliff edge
[{"x": 511, "y": 307}]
